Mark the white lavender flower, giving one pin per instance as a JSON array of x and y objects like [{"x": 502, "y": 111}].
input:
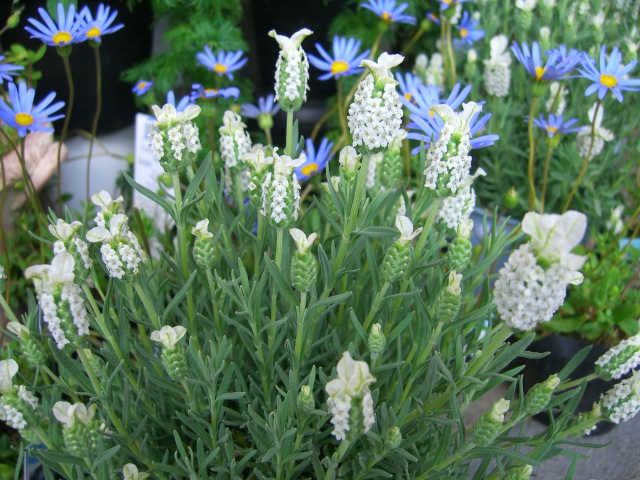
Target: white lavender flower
[
  {"x": 497, "y": 72},
  {"x": 349, "y": 161},
  {"x": 448, "y": 160},
  {"x": 619, "y": 360},
  {"x": 258, "y": 165},
  {"x": 60, "y": 299},
  {"x": 615, "y": 224},
  {"x": 130, "y": 472},
  {"x": 457, "y": 208},
  {"x": 302, "y": 241},
  {"x": 601, "y": 134},
  {"x": 174, "y": 138},
  {"x": 431, "y": 72},
  {"x": 281, "y": 191},
  {"x": 350, "y": 389},
  {"x": 17, "y": 405},
  {"x": 168, "y": 336},
  {"x": 235, "y": 143},
  {"x": 292, "y": 70},
  {"x": 68, "y": 240},
  {"x": 375, "y": 116},
  {"x": 622, "y": 402},
  {"x": 80, "y": 427}
]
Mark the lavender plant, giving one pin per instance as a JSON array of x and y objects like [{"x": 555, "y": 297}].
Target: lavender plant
[{"x": 355, "y": 354}]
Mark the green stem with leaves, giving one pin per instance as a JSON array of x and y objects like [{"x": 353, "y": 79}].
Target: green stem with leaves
[
  {"x": 96, "y": 116},
  {"x": 532, "y": 153},
  {"x": 62, "y": 51}
]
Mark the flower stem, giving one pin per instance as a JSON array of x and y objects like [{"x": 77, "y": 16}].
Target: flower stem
[
  {"x": 343, "y": 118},
  {"x": 587, "y": 159},
  {"x": 545, "y": 175},
  {"x": 452, "y": 60},
  {"x": 532, "y": 151},
  {"x": 65, "y": 126},
  {"x": 300, "y": 331},
  {"x": 376, "y": 304},
  {"x": 182, "y": 251},
  {"x": 96, "y": 116},
  {"x": 289, "y": 146},
  {"x": 214, "y": 302}
]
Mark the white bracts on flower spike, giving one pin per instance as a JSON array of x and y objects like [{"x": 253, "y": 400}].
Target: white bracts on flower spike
[
  {"x": 303, "y": 243},
  {"x": 526, "y": 5},
  {"x": 458, "y": 208},
  {"x": 168, "y": 336},
  {"x": 18, "y": 330},
  {"x": 201, "y": 230},
  {"x": 292, "y": 70},
  {"x": 172, "y": 133},
  {"x": 553, "y": 237},
  {"x": 235, "y": 142},
  {"x": 453, "y": 287},
  {"x": 349, "y": 161},
  {"x": 281, "y": 191},
  {"x": 352, "y": 383},
  {"x": 63, "y": 231},
  {"x": 497, "y": 73},
  {"x": 448, "y": 160},
  {"x": 130, "y": 472},
  {"x": 405, "y": 227},
  {"x": 375, "y": 116},
  {"x": 621, "y": 359},
  {"x": 8, "y": 370},
  {"x": 69, "y": 414}
]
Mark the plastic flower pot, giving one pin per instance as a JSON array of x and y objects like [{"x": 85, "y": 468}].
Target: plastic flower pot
[{"x": 561, "y": 350}]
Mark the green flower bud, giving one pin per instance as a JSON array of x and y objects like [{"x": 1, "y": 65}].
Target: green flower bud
[
  {"x": 488, "y": 426},
  {"x": 511, "y": 198},
  {"x": 175, "y": 363},
  {"x": 540, "y": 394},
  {"x": 304, "y": 270},
  {"x": 326, "y": 200},
  {"x": 14, "y": 19},
  {"x": 265, "y": 121},
  {"x": 19, "y": 185},
  {"x": 306, "y": 402},
  {"x": 204, "y": 252},
  {"x": 460, "y": 249},
  {"x": 391, "y": 163},
  {"x": 545, "y": 12},
  {"x": 304, "y": 267},
  {"x": 377, "y": 341},
  {"x": 392, "y": 438},
  {"x": 165, "y": 179},
  {"x": 449, "y": 299},
  {"x": 396, "y": 262},
  {"x": 525, "y": 19},
  {"x": 539, "y": 87},
  {"x": 33, "y": 352},
  {"x": 518, "y": 473},
  {"x": 349, "y": 161}
]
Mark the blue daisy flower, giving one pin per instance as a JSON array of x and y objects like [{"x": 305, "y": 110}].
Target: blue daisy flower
[
  {"x": 266, "y": 106},
  {"x": 64, "y": 33},
  {"x": 23, "y": 116},
  {"x": 555, "y": 126},
  {"x": 610, "y": 76},
  {"x": 224, "y": 63},
  {"x": 142, "y": 87},
  {"x": 408, "y": 85},
  {"x": 182, "y": 104},
  {"x": 553, "y": 69},
  {"x": 425, "y": 125},
  {"x": 345, "y": 60},
  {"x": 468, "y": 32},
  {"x": 91, "y": 28},
  {"x": 433, "y": 17},
  {"x": 7, "y": 69},
  {"x": 562, "y": 53},
  {"x": 316, "y": 160},
  {"x": 199, "y": 92},
  {"x": 389, "y": 12},
  {"x": 444, "y": 4}
]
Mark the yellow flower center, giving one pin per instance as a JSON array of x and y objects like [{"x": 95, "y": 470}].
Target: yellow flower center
[
  {"x": 408, "y": 96},
  {"x": 551, "y": 129},
  {"x": 220, "y": 68},
  {"x": 142, "y": 85},
  {"x": 309, "y": 169},
  {"x": 61, "y": 37},
  {"x": 608, "y": 81},
  {"x": 432, "y": 114},
  {"x": 464, "y": 33},
  {"x": 386, "y": 17},
  {"x": 540, "y": 72},
  {"x": 93, "y": 32},
  {"x": 339, "y": 66},
  {"x": 448, "y": 2},
  {"x": 24, "y": 119}
]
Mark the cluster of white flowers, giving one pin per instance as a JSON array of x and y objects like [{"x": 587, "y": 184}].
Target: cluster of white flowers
[
  {"x": 281, "y": 190},
  {"x": 622, "y": 402},
  {"x": 120, "y": 249},
  {"x": 59, "y": 297},
  {"x": 448, "y": 160},
  {"x": 601, "y": 134},
  {"x": 525, "y": 294},
  {"x": 497, "y": 72},
  {"x": 172, "y": 133},
  {"x": 235, "y": 143},
  {"x": 15, "y": 398},
  {"x": 456, "y": 208},
  {"x": 615, "y": 224},
  {"x": 375, "y": 116},
  {"x": 533, "y": 282},
  {"x": 352, "y": 384},
  {"x": 67, "y": 239},
  {"x": 292, "y": 70}
]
